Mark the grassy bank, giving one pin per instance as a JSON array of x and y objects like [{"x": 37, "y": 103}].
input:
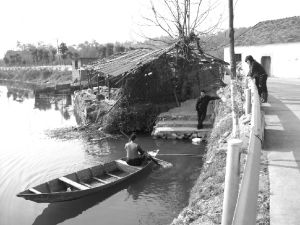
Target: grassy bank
[
  {"x": 39, "y": 76},
  {"x": 206, "y": 198}
]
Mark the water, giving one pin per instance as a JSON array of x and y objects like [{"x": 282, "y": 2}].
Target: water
[{"x": 29, "y": 157}]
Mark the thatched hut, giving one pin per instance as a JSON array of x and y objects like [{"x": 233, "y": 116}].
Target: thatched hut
[{"x": 152, "y": 81}]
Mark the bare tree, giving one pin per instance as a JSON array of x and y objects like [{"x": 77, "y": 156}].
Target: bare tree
[{"x": 183, "y": 18}]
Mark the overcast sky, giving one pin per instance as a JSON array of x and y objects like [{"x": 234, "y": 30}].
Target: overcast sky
[{"x": 73, "y": 21}]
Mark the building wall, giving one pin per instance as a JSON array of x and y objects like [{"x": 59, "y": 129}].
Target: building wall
[
  {"x": 285, "y": 58},
  {"x": 77, "y": 64}
]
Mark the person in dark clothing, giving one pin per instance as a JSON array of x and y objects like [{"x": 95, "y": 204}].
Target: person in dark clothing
[
  {"x": 201, "y": 107},
  {"x": 257, "y": 72}
]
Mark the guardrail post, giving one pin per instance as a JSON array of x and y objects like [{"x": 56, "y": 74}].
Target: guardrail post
[
  {"x": 232, "y": 179},
  {"x": 248, "y": 101}
]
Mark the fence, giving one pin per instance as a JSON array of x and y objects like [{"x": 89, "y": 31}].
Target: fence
[
  {"x": 240, "y": 200},
  {"x": 50, "y": 67}
]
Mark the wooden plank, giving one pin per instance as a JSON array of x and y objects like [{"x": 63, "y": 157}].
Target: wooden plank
[
  {"x": 34, "y": 191},
  {"x": 85, "y": 184},
  {"x": 100, "y": 180},
  {"x": 112, "y": 175},
  {"x": 73, "y": 183},
  {"x": 81, "y": 182}
]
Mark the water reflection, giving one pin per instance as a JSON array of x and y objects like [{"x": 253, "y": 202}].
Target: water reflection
[
  {"x": 56, "y": 213},
  {"x": 42, "y": 103},
  {"x": 35, "y": 158},
  {"x": 137, "y": 193},
  {"x": 60, "y": 103},
  {"x": 65, "y": 113},
  {"x": 18, "y": 94}
]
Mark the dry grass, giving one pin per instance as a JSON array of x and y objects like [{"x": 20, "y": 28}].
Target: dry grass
[{"x": 38, "y": 76}]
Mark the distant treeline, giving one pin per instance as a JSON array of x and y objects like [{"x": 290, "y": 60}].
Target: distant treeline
[{"x": 29, "y": 54}]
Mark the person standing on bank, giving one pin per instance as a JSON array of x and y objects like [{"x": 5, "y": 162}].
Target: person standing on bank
[
  {"x": 257, "y": 72},
  {"x": 201, "y": 107},
  {"x": 135, "y": 154}
]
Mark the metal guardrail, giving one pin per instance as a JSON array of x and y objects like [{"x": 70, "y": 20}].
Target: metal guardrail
[{"x": 240, "y": 207}]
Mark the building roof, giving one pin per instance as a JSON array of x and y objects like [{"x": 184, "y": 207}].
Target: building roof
[
  {"x": 121, "y": 63},
  {"x": 286, "y": 30},
  {"x": 130, "y": 61}
]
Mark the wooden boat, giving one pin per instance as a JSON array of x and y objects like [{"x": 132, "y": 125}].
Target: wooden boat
[{"x": 85, "y": 182}]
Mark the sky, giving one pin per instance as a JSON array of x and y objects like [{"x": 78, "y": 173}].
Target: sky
[{"x": 73, "y": 21}]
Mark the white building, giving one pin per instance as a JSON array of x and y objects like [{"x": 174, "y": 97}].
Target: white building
[{"x": 273, "y": 43}]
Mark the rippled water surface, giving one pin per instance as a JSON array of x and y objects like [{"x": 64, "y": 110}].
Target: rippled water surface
[{"x": 29, "y": 157}]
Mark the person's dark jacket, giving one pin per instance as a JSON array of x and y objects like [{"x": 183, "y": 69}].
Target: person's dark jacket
[
  {"x": 202, "y": 102},
  {"x": 256, "y": 70}
]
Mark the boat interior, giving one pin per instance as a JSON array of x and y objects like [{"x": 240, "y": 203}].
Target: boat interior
[{"x": 86, "y": 179}]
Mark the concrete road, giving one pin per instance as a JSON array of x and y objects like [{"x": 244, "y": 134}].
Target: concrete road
[{"x": 282, "y": 142}]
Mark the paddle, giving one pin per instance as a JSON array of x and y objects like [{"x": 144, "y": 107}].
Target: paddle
[
  {"x": 152, "y": 158},
  {"x": 162, "y": 163}
]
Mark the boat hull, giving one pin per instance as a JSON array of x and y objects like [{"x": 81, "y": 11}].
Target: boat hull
[{"x": 60, "y": 196}]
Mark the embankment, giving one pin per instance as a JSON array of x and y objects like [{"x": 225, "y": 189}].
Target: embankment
[
  {"x": 38, "y": 75},
  {"x": 206, "y": 198},
  {"x": 111, "y": 111}
]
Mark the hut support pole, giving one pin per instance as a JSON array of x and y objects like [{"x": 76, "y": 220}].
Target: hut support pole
[
  {"x": 108, "y": 83},
  {"x": 89, "y": 79},
  {"x": 176, "y": 99},
  {"x": 98, "y": 83},
  {"x": 80, "y": 80}
]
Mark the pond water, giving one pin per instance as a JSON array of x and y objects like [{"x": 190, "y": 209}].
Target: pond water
[{"x": 30, "y": 157}]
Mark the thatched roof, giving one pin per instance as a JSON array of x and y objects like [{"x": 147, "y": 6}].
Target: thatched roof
[
  {"x": 285, "y": 30},
  {"x": 125, "y": 62},
  {"x": 130, "y": 61}
]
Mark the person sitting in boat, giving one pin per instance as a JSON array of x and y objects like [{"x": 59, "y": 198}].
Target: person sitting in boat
[{"x": 135, "y": 154}]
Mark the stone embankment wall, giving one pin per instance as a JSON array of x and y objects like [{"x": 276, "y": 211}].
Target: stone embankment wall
[
  {"x": 206, "y": 198},
  {"x": 181, "y": 122},
  {"x": 89, "y": 106},
  {"x": 116, "y": 113}
]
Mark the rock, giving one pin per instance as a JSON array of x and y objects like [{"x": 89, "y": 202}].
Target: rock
[
  {"x": 172, "y": 136},
  {"x": 180, "y": 137},
  {"x": 199, "y": 135},
  {"x": 196, "y": 140},
  {"x": 100, "y": 97},
  {"x": 194, "y": 135}
]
